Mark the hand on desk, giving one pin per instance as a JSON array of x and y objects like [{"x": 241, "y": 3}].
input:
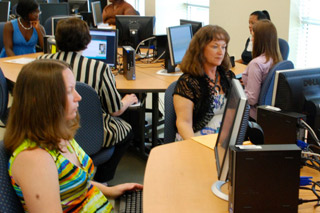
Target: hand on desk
[{"x": 127, "y": 100}]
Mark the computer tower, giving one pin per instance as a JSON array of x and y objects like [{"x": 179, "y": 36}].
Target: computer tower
[
  {"x": 264, "y": 179},
  {"x": 129, "y": 62},
  {"x": 280, "y": 127}
]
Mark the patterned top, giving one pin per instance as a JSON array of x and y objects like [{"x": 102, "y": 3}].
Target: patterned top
[
  {"x": 98, "y": 75},
  {"x": 20, "y": 45},
  {"x": 200, "y": 92},
  {"x": 77, "y": 194}
]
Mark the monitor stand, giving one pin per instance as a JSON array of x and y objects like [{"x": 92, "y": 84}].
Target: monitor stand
[
  {"x": 216, "y": 189},
  {"x": 177, "y": 72}
]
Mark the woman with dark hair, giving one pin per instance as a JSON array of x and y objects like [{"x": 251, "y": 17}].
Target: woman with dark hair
[
  {"x": 48, "y": 169},
  {"x": 265, "y": 54},
  {"x": 246, "y": 55},
  {"x": 21, "y": 35},
  {"x": 117, "y": 7},
  {"x": 200, "y": 95},
  {"x": 72, "y": 37}
]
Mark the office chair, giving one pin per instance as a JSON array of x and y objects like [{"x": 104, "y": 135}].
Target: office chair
[
  {"x": 9, "y": 201},
  {"x": 169, "y": 115},
  {"x": 284, "y": 48},
  {"x": 1, "y": 35},
  {"x": 266, "y": 91},
  {"x": 90, "y": 135},
  {"x": 4, "y": 111}
]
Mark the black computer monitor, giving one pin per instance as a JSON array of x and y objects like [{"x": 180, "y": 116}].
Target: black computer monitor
[
  {"x": 96, "y": 13},
  {"x": 298, "y": 90},
  {"x": 52, "y": 9},
  {"x": 4, "y": 11},
  {"x": 232, "y": 132},
  {"x": 56, "y": 19},
  {"x": 179, "y": 38},
  {"x": 196, "y": 25},
  {"x": 78, "y": 6},
  {"x": 103, "y": 46},
  {"x": 133, "y": 29}
]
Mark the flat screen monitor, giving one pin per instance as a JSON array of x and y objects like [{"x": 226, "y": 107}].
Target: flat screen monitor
[
  {"x": 298, "y": 90},
  {"x": 232, "y": 132},
  {"x": 78, "y": 6},
  {"x": 103, "y": 46},
  {"x": 56, "y": 19},
  {"x": 196, "y": 25},
  {"x": 133, "y": 29},
  {"x": 179, "y": 38},
  {"x": 96, "y": 13},
  {"x": 4, "y": 11},
  {"x": 52, "y": 9}
]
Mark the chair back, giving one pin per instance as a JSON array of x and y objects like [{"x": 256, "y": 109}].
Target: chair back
[
  {"x": 9, "y": 201},
  {"x": 3, "y": 98},
  {"x": 1, "y": 35},
  {"x": 266, "y": 91},
  {"x": 169, "y": 115},
  {"x": 284, "y": 48},
  {"x": 90, "y": 135}
]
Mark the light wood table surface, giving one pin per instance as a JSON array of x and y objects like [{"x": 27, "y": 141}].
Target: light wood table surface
[{"x": 179, "y": 176}]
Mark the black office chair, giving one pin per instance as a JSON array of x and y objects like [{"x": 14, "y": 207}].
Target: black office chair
[
  {"x": 9, "y": 201},
  {"x": 90, "y": 135},
  {"x": 169, "y": 115},
  {"x": 284, "y": 48},
  {"x": 4, "y": 111},
  {"x": 1, "y": 34},
  {"x": 266, "y": 91}
]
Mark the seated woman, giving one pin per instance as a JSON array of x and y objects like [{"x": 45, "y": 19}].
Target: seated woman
[
  {"x": 117, "y": 7},
  {"x": 246, "y": 55},
  {"x": 21, "y": 35},
  {"x": 49, "y": 171},
  {"x": 265, "y": 54},
  {"x": 200, "y": 95},
  {"x": 99, "y": 76}
]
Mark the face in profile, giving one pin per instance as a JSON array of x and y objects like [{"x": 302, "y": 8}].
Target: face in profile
[
  {"x": 252, "y": 20},
  {"x": 214, "y": 52},
  {"x": 34, "y": 15},
  {"x": 73, "y": 97}
]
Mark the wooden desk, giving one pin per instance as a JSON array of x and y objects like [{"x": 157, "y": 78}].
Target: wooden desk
[{"x": 179, "y": 176}]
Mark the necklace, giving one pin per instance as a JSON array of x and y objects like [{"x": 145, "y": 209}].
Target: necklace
[
  {"x": 216, "y": 88},
  {"x": 26, "y": 28}
]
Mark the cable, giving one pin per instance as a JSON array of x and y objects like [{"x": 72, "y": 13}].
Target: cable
[
  {"x": 147, "y": 39},
  {"x": 313, "y": 134},
  {"x": 311, "y": 153}
]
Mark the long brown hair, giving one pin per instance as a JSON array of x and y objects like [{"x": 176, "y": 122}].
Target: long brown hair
[
  {"x": 266, "y": 41},
  {"x": 194, "y": 60},
  {"x": 38, "y": 108}
]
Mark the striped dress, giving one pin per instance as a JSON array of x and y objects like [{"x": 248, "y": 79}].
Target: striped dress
[
  {"x": 98, "y": 75},
  {"x": 77, "y": 194}
]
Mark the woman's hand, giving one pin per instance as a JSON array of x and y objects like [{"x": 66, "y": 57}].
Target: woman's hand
[
  {"x": 120, "y": 189},
  {"x": 35, "y": 24}
]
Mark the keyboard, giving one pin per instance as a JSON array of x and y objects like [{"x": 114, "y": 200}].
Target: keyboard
[{"x": 131, "y": 202}]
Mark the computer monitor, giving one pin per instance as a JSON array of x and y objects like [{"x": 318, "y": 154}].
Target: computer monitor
[
  {"x": 56, "y": 19},
  {"x": 179, "y": 38},
  {"x": 96, "y": 13},
  {"x": 133, "y": 29},
  {"x": 196, "y": 25},
  {"x": 4, "y": 11},
  {"x": 103, "y": 46},
  {"x": 232, "y": 132},
  {"x": 52, "y": 9},
  {"x": 298, "y": 90},
  {"x": 78, "y": 6}
]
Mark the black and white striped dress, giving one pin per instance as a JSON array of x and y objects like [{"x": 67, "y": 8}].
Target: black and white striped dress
[{"x": 98, "y": 75}]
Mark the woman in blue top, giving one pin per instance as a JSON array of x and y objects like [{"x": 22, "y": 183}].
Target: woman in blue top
[{"x": 20, "y": 36}]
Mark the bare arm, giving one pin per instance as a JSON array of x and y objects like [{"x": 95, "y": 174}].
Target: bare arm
[
  {"x": 127, "y": 100},
  {"x": 36, "y": 173},
  {"x": 116, "y": 191},
  {"x": 7, "y": 38},
  {"x": 184, "y": 111},
  {"x": 40, "y": 30}
]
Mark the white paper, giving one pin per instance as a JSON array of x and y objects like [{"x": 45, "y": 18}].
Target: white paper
[{"x": 20, "y": 60}]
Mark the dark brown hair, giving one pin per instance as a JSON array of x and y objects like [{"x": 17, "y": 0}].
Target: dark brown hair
[
  {"x": 38, "y": 108},
  {"x": 72, "y": 35},
  {"x": 194, "y": 60},
  {"x": 266, "y": 41}
]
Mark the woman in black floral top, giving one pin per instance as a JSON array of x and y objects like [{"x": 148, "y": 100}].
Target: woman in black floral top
[{"x": 200, "y": 95}]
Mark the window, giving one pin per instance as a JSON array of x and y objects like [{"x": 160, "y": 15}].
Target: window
[
  {"x": 309, "y": 34},
  {"x": 198, "y": 10}
]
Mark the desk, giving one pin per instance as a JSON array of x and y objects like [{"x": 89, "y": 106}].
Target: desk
[
  {"x": 179, "y": 176},
  {"x": 147, "y": 80}
]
